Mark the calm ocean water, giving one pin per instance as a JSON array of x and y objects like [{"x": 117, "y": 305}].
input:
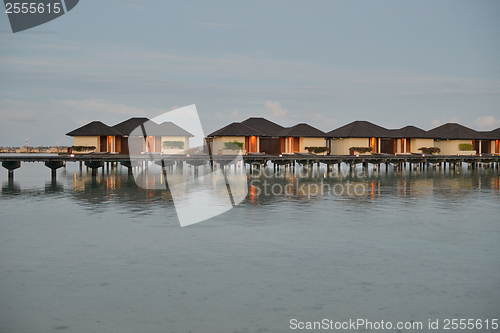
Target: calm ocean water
[{"x": 83, "y": 255}]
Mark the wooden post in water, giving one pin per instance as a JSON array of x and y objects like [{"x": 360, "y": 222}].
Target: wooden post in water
[{"x": 11, "y": 166}]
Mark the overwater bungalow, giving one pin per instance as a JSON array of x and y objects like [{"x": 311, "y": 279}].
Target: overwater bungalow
[
  {"x": 98, "y": 135},
  {"x": 409, "y": 140},
  {"x": 126, "y": 127},
  {"x": 456, "y": 139},
  {"x": 259, "y": 135},
  {"x": 254, "y": 135},
  {"x": 297, "y": 138},
  {"x": 234, "y": 137},
  {"x": 491, "y": 146},
  {"x": 360, "y": 134},
  {"x": 270, "y": 143},
  {"x": 165, "y": 138}
]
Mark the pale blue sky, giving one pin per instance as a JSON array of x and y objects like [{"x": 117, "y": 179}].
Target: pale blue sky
[{"x": 326, "y": 63}]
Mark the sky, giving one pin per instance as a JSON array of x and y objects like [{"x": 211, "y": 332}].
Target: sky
[{"x": 326, "y": 63}]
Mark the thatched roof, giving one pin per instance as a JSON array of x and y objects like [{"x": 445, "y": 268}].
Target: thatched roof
[
  {"x": 410, "y": 132},
  {"x": 127, "y": 126},
  {"x": 95, "y": 128},
  {"x": 302, "y": 130},
  {"x": 359, "y": 129},
  {"x": 236, "y": 129},
  {"x": 168, "y": 128},
  {"x": 164, "y": 129},
  {"x": 454, "y": 131},
  {"x": 263, "y": 125},
  {"x": 492, "y": 135}
]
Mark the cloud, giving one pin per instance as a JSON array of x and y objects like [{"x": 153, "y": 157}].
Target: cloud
[
  {"x": 277, "y": 111},
  {"x": 234, "y": 114},
  {"x": 17, "y": 111},
  {"x": 435, "y": 123},
  {"x": 92, "y": 105},
  {"x": 487, "y": 122}
]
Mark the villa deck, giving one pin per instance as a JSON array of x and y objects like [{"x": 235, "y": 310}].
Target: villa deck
[{"x": 95, "y": 161}]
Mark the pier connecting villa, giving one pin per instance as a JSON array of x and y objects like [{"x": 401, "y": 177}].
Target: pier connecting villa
[{"x": 260, "y": 141}]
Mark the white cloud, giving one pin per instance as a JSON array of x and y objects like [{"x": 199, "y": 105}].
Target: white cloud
[
  {"x": 435, "y": 123},
  {"x": 487, "y": 122},
  {"x": 234, "y": 114},
  {"x": 277, "y": 111}
]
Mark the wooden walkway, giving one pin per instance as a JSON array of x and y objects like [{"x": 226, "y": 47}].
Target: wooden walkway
[{"x": 95, "y": 161}]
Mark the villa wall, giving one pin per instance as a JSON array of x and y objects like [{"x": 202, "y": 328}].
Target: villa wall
[
  {"x": 175, "y": 138},
  {"x": 420, "y": 143},
  {"x": 310, "y": 142},
  {"x": 341, "y": 146},
  {"x": 218, "y": 145},
  {"x": 495, "y": 146},
  {"x": 450, "y": 147},
  {"x": 87, "y": 141}
]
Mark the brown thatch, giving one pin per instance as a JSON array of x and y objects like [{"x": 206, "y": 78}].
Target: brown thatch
[
  {"x": 359, "y": 129},
  {"x": 492, "y": 135},
  {"x": 454, "y": 131},
  {"x": 127, "y": 126},
  {"x": 164, "y": 129},
  {"x": 263, "y": 125},
  {"x": 95, "y": 128},
  {"x": 236, "y": 129},
  {"x": 410, "y": 132},
  {"x": 302, "y": 130}
]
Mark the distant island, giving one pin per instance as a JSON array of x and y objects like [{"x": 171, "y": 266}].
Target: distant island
[{"x": 30, "y": 150}]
